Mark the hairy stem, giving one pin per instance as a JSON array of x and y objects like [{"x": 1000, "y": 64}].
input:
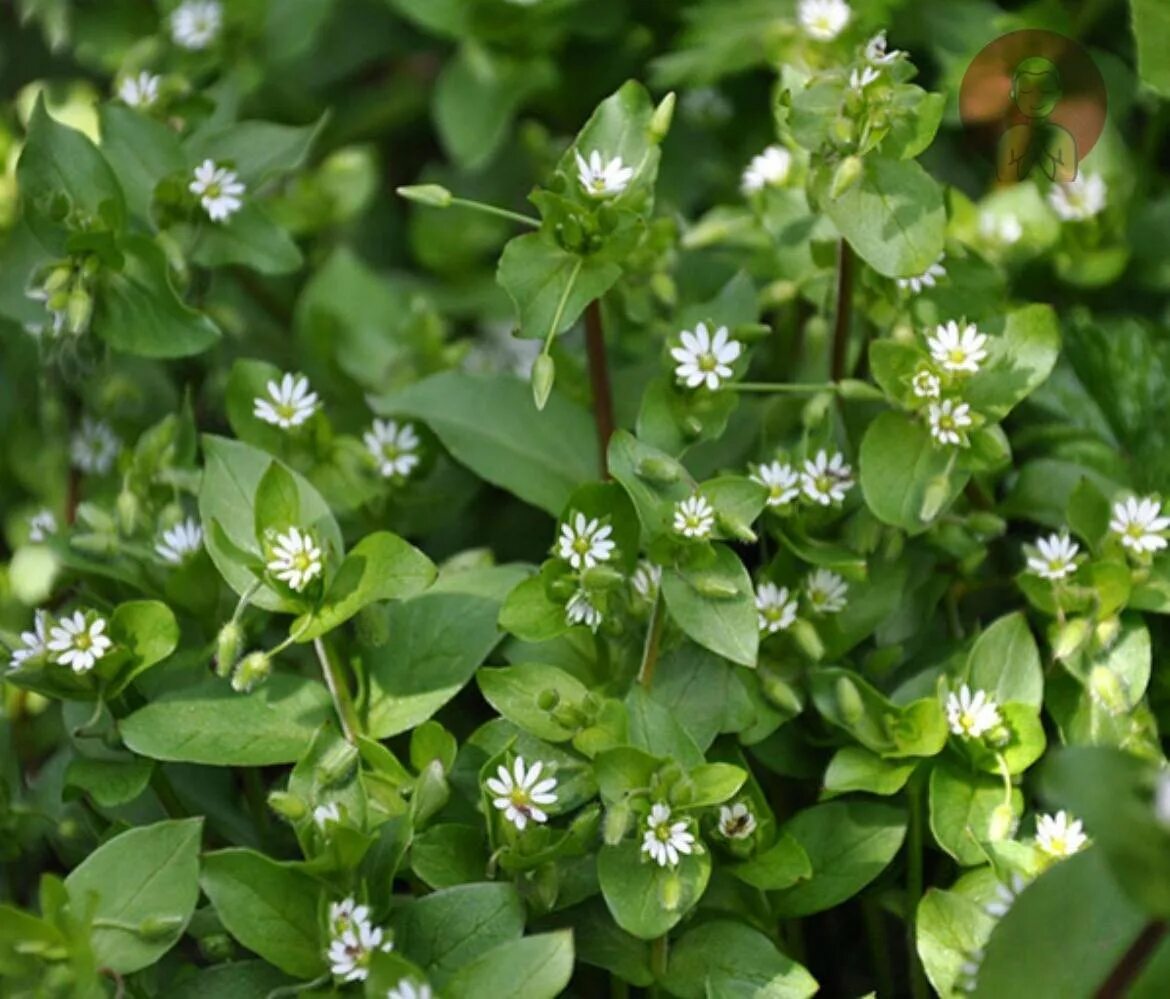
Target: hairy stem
[
  {"x": 844, "y": 311},
  {"x": 338, "y": 690},
  {"x": 653, "y": 640},
  {"x": 599, "y": 381}
]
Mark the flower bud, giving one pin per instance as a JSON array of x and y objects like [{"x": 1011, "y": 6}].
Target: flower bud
[
  {"x": 736, "y": 528},
  {"x": 805, "y": 635},
  {"x": 567, "y": 716},
  {"x": 660, "y": 120},
  {"x": 1106, "y": 632},
  {"x": 1003, "y": 823},
  {"x": 79, "y": 310},
  {"x": 227, "y": 647},
  {"x": 781, "y": 693},
  {"x": 659, "y": 470},
  {"x": 128, "y": 509},
  {"x": 938, "y": 489},
  {"x": 58, "y": 301},
  {"x": 159, "y": 927},
  {"x": 1070, "y": 638},
  {"x": 601, "y": 577},
  {"x": 433, "y": 195},
  {"x": 548, "y": 699},
  {"x": 58, "y": 278},
  {"x": 713, "y": 587},
  {"x": 251, "y": 671},
  {"x": 1108, "y": 690},
  {"x": 288, "y": 806},
  {"x": 617, "y": 821},
  {"x": 430, "y": 793},
  {"x": 847, "y": 174},
  {"x": 853, "y": 388},
  {"x": 670, "y": 891},
  {"x": 336, "y": 764},
  {"x": 217, "y": 947},
  {"x": 544, "y": 373},
  {"x": 849, "y": 701}
]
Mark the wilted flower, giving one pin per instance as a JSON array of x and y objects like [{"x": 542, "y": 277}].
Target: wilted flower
[
  {"x": 859, "y": 79},
  {"x": 326, "y": 815},
  {"x": 520, "y": 793},
  {"x": 581, "y": 610},
  {"x": 926, "y": 384},
  {"x": 646, "y": 579}
]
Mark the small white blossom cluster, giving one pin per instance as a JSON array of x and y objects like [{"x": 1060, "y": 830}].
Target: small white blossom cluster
[
  {"x": 777, "y": 606},
  {"x": 139, "y": 90},
  {"x": 1140, "y": 526},
  {"x": 584, "y": 543},
  {"x": 1079, "y": 199},
  {"x": 353, "y": 941},
  {"x": 1054, "y": 557},
  {"x": 972, "y": 715},
  {"x": 78, "y": 641},
  {"x": 956, "y": 352},
  {"x": 219, "y": 190},
  {"x": 823, "y": 480},
  {"x": 520, "y": 793},
  {"x": 704, "y": 358},
  {"x": 1059, "y": 836},
  {"x": 876, "y": 58}
]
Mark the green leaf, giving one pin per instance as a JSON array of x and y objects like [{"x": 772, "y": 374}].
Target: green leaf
[
  {"x": 210, "y": 723},
  {"x": 444, "y": 856},
  {"x": 537, "y": 967},
  {"x": 147, "y": 631},
  {"x": 237, "y": 980},
  {"x": 516, "y": 693},
  {"x": 278, "y": 503},
  {"x": 1005, "y": 662},
  {"x": 1151, "y": 32},
  {"x": 893, "y": 217},
  {"x": 256, "y": 150},
  {"x": 268, "y": 907},
  {"x": 530, "y": 615},
  {"x": 962, "y": 803},
  {"x": 853, "y": 768},
  {"x": 728, "y": 959},
  {"x": 250, "y": 238},
  {"x": 652, "y": 728},
  {"x": 725, "y": 625},
  {"x": 653, "y": 479},
  {"x": 949, "y": 929},
  {"x": 109, "y": 783},
  {"x": 782, "y": 865},
  {"x": 142, "y": 151},
  {"x": 1019, "y": 360},
  {"x": 142, "y": 876},
  {"x": 634, "y": 888},
  {"x": 541, "y": 459}
]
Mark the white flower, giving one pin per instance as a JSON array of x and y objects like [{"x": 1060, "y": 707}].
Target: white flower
[
  {"x": 218, "y": 189},
  {"x": 694, "y": 517},
  {"x": 584, "y": 542},
  {"x": 394, "y": 447},
  {"x": 971, "y": 715},
  {"x": 349, "y": 954},
  {"x": 290, "y": 403},
  {"x": 196, "y": 23},
  {"x": 927, "y": 279},
  {"x": 1005, "y": 897},
  {"x": 859, "y": 79},
  {"x": 326, "y": 815},
  {"x": 519, "y": 793},
  {"x": 775, "y": 608},
  {"x": 875, "y": 51},
  {"x": 947, "y": 419},
  {"x": 346, "y": 915},
  {"x": 958, "y": 349},
  {"x": 782, "y": 482},
  {"x": 601, "y": 178},
  {"x": 823, "y": 20},
  {"x": 581, "y": 610},
  {"x": 406, "y": 989},
  {"x": 41, "y": 525},
  {"x": 1055, "y": 558},
  {"x": 664, "y": 840},
  {"x": 296, "y": 558},
  {"x": 704, "y": 358},
  {"x": 140, "y": 90},
  {"x": 78, "y": 643},
  {"x": 926, "y": 384},
  {"x": 769, "y": 169},
  {"x": 646, "y": 579},
  {"x": 1139, "y": 524},
  {"x": 1060, "y": 835},
  {"x": 825, "y": 591},
  {"x": 736, "y": 821},
  {"x": 32, "y": 642},
  {"x": 826, "y": 480},
  {"x": 180, "y": 541},
  {"x": 94, "y": 447},
  {"x": 1079, "y": 199},
  {"x": 1005, "y": 229}
]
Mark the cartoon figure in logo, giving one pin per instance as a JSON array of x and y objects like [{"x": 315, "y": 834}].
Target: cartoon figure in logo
[{"x": 1037, "y": 144}]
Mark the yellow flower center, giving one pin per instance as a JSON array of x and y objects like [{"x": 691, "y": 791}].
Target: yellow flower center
[
  {"x": 707, "y": 362},
  {"x": 957, "y": 355}
]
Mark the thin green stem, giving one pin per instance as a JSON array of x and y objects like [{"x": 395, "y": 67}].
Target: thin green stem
[
  {"x": 556, "y": 320},
  {"x": 784, "y": 388},
  {"x": 653, "y": 641},
  {"x": 298, "y": 988},
  {"x": 914, "y": 887},
  {"x": 1006, "y": 773},
  {"x": 659, "y": 955},
  {"x": 338, "y": 690},
  {"x": 502, "y": 213}
]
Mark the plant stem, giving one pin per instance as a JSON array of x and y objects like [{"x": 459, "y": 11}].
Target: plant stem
[
  {"x": 784, "y": 388},
  {"x": 1132, "y": 961},
  {"x": 503, "y": 213},
  {"x": 599, "y": 381},
  {"x": 653, "y": 640},
  {"x": 879, "y": 945},
  {"x": 914, "y": 885},
  {"x": 844, "y": 312},
  {"x": 335, "y": 681},
  {"x": 658, "y": 955}
]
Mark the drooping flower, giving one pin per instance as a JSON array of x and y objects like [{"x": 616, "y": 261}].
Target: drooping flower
[
  {"x": 825, "y": 591},
  {"x": 1055, "y": 557},
  {"x": 584, "y": 542},
  {"x": 664, "y": 840},
  {"x": 646, "y": 579},
  {"x": 948, "y": 420},
  {"x": 823, "y": 20},
  {"x": 407, "y": 989},
  {"x": 350, "y": 953},
  {"x": 958, "y": 349},
  {"x": 926, "y": 384},
  {"x": 826, "y": 480},
  {"x": 694, "y": 517},
  {"x": 1139, "y": 524},
  {"x": 781, "y": 480},
  {"x": 326, "y": 815},
  {"x": 581, "y": 610},
  {"x": 602, "y": 178},
  {"x": 736, "y": 821},
  {"x": 859, "y": 79},
  {"x": 927, "y": 279},
  {"x": 180, "y": 542},
  {"x": 1079, "y": 199},
  {"x": 94, "y": 447},
  {"x": 289, "y": 404},
  {"x": 32, "y": 643},
  {"x": 520, "y": 793},
  {"x": 1060, "y": 835},
  {"x": 195, "y": 24},
  {"x": 394, "y": 448},
  {"x": 296, "y": 558},
  {"x": 971, "y": 715},
  {"x": 704, "y": 358},
  {"x": 876, "y": 53},
  {"x": 78, "y": 643},
  {"x": 140, "y": 90},
  {"x": 769, "y": 169},
  {"x": 42, "y": 525},
  {"x": 219, "y": 190},
  {"x": 775, "y": 608}
]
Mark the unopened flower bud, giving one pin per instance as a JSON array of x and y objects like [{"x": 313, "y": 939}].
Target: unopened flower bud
[
  {"x": 1003, "y": 823},
  {"x": 849, "y": 701},
  {"x": 251, "y": 671},
  {"x": 660, "y": 470},
  {"x": 1108, "y": 690},
  {"x": 79, "y": 310},
  {"x": 938, "y": 489},
  {"x": 228, "y": 643},
  {"x": 1107, "y": 631},
  {"x": 736, "y": 528},
  {"x": 159, "y": 927},
  {"x": 781, "y": 693},
  {"x": 853, "y": 388},
  {"x": 217, "y": 947},
  {"x": 601, "y": 577},
  {"x": 288, "y": 806},
  {"x": 660, "y": 120},
  {"x": 670, "y": 891},
  {"x": 847, "y": 174},
  {"x": 433, "y": 195},
  {"x": 617, "y": 821},
  {"x": 1070, "y": 638},
  {"x": 548, "y": 699},
  {"x": 431, "y": 793},
  {"x": 544, "y": 373},
  {"x": 128, "y": 509},
  {"x": 58, "y": 278}
]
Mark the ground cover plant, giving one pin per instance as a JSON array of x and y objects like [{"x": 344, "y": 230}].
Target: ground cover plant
[{"x": 582, "y": 497}]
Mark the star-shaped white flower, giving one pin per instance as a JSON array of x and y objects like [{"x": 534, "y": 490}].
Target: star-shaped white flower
[
  {"x": 393, "y": 447},
  {"x": 948, "y": 420},
  {"x": 646, "y": 579},
  {"x": 927, "y": 279},
  {"x": 195, "y": 24},
  {"x": 78, "y": 643},
  {"x": 775, "y": 608},
  {"x": 326, "y": 815},
  {"x": 1139, "y": 524},
  {"x": 703, "y": 358},
  {"x": 581, "y": 610},
  {"x": 823, "y": 20},
  {"x": 180, "y": 542},
  {"x": 1054, "y": 557},
  {"x": 825, "y": 591},
  {"x": 602, "y": 178},
  {"x": 1079, "y": 199},
  {"x": 219, "y": 190},
  {"x": 41, "y": 525},
  {"x": 520, "y": 793},
  {"x": 926, "y": 385},
  {"x": 694, "y": 517},
  {"x": 349, "y": 954},
  {"x": 826, "y": 480},
  {"x": 1060, "y": 835},
  {"x": 584, "y": 541},
  {"x": 289, "y": 404},
  {"x": 875, "y": 51},
  {"x": 971, "y": 715},
  {"x": 139, "y": 90},
  {"x": 958, "y": 349},
  {"x": 781, "y": 480},
  {"x": 407, "y": 989},
  {"x": 345, "y": 915},
  {"x": 94, "y": 447},
  {"x": 664, "y": 840},
  {"x": 769, "y": 169},
  {"x": 32, "y": 643},
  {"x": 296, "y": 558},
  {"x": 736, "y": 821},
  {"x": 861, "y": 78}
]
